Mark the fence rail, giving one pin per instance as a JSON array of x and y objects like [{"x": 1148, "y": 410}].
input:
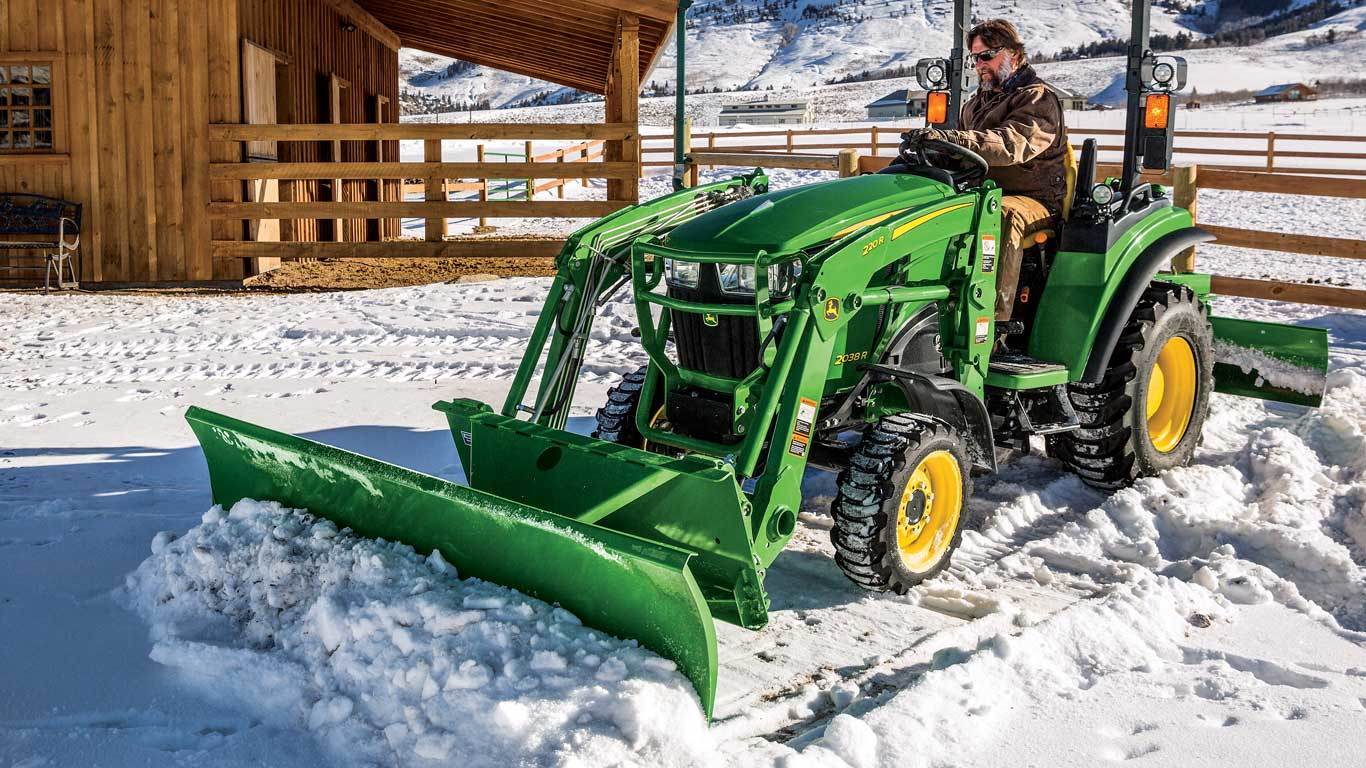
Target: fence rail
[
  {"x": 337, "y": 192},
  {"x": 881, "y": 137}
]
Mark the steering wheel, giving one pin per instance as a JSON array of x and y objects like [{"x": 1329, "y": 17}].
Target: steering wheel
[{"x": 945, "y": 156}]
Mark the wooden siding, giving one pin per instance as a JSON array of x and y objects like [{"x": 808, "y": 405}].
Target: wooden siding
[
  {"x": 136, "y": 84},
  {"x": 314, "y": 44}
]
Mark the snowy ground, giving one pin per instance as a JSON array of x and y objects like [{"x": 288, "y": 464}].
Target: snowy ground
[{"x": 1211, "y": 616}]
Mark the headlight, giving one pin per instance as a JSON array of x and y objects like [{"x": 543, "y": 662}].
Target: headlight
[
  {"x": 682, "y": 274},
  {"x": 739, "y": 278},
  {"x": 1102, "y": 194}
]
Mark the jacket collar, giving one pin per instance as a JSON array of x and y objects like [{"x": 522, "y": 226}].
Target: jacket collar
[{"x": 1023, "y": 76}]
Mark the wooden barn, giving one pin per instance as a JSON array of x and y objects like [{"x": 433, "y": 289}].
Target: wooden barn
[{"x": 205, "y": 139}]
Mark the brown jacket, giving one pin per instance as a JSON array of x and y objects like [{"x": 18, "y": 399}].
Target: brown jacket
[{"x": 1019, "y": 131}]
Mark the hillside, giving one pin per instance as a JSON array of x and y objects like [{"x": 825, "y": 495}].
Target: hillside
[{"x": 808, "y": 43}]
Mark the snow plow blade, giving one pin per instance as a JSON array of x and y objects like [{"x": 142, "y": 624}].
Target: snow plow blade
[
  {"x": 613, "y": 581},
  {"x": 1270, "y": 361}
]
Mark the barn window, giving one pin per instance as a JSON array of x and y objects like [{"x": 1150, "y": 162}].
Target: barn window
[{"x": 26, "y": 119}]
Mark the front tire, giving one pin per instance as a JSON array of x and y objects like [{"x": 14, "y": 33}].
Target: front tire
[
  {"x": 901, "y": 505},
  {"x": 616, "y": 419},
  {"x": 1146, "y": 413}
]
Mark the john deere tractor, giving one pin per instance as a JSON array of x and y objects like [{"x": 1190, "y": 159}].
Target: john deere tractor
[{"x": 845, "y": 325}]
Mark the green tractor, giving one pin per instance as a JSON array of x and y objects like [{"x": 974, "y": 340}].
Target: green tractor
[{"x": 847, "y": 326}]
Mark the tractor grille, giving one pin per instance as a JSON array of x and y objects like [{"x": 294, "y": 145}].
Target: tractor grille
[{"x": 730, "y": 348}]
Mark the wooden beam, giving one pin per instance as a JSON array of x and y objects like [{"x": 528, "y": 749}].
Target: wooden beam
[
  {"x": 1321, "y": 295},
  {"x": 434, "y": 227},
  {"x": 803, "y": 162},
  {"x": 1308, "y": 245},
  {"x": 420, "y": 131},
  {"x": 366, "y": 22},
  {"x": 1282, "y": 183},
  {"x": 416, "y": 210},
  {"x": 576, "y": 170},
  {"x": 394, "y": 249}
]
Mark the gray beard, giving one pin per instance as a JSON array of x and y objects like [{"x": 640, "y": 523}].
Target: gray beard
[{"x": 993, "y": 82}]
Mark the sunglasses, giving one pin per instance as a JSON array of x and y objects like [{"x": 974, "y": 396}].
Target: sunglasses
[{"x": 984, "y": 56}]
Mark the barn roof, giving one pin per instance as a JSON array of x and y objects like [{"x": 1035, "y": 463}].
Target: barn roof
[
  {"x": 1274, "y": 90},
  {"x": 897, "y": 98},
  {"x": 568, "y": 42}
]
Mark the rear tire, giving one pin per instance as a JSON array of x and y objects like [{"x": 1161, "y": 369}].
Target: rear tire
[
  {"x": 902, "y": 504},
  {"x": 617, "y": 417},
  {"x": 1146, "y": 413}
]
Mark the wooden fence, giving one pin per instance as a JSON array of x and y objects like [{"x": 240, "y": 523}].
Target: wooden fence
[
  {"x": 438, "y": 180},
  {"x": 1186, "y": 182},
  {"x": 1261, "y": 151}
]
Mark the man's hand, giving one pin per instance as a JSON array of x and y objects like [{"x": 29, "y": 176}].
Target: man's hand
[{"x": 917, "y": 136}]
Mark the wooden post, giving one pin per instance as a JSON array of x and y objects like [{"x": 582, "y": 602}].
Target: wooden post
[
  {"x": 1271, "y": 152},
  {"x": 435, "y": 189},
  {"x": 690, "y": 169},
  {"x": 530, "y": 183},
  {"x": 789, "y": 141},
  {"x": 1184, "y": 194},
  {"x": 560, "y": 159},
  {"x": 848, "y": 163},
  {"x": 711, "y": 145},
  {"x": 875, "y": 142},
  {"x": 623, "y": 105},
  {"x": 483, "y": 186}
]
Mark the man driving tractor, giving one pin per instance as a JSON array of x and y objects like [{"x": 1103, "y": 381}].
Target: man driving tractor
[{"x": 1016, "y": 124}]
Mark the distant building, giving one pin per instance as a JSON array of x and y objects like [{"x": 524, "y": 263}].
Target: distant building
[
  {"x": 767, "y": 112},
  {"x": 1286, "y": 92},
  {"x": 1069, "y": 99},
  {"x": 898, "y": 104}
]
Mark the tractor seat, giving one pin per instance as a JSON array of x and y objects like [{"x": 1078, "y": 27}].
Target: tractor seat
[{"x": 1069, "y": 165}]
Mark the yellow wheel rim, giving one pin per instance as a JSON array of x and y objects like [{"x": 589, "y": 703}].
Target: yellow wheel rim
[
  {"x": 1172, "y": 387},
  {"x": 924, "y": 539}
]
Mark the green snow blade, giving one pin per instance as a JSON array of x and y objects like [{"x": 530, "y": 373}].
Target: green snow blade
[
  {"x": 1270, "y": 361},
  {"x": 613, "y": 581}
]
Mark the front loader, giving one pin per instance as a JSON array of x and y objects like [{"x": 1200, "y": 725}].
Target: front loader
[{"x": 847, "y": 326}]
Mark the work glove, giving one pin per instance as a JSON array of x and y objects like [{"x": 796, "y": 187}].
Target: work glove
[{"x": 918, "y": 136}]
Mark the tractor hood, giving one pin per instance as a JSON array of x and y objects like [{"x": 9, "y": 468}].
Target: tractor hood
[{"x": 800, "y": 217}]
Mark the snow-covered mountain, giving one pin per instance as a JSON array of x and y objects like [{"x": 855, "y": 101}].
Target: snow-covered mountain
[{"x": 781, "y": 44}]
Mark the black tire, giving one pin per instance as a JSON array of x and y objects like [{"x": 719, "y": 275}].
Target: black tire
[
  {"x": 1114, "y": 445},
  {"x": 868, "y": 507},
  {"x": 617, "y": 417}
]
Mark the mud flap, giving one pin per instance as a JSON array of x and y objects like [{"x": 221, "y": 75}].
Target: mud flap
[
  {"x": 613, "y": 581},
  {"x": 1270, "y": 361}
]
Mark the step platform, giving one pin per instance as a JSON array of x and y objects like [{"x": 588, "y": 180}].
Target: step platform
[{"x": 1012, "y": 370}]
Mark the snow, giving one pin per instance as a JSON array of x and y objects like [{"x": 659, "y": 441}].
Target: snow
[{"x": 386, "y": 657}]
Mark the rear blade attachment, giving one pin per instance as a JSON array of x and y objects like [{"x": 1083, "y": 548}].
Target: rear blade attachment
[
  {"x": 1270, "y": 361},
  {"x": 613, "y": 581}
]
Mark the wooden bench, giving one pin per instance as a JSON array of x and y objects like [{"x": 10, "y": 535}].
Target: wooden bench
[{"x": 44, "y": 224}]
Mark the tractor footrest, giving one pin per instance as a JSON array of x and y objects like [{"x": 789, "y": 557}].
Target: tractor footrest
[{"x": 1015, "y": 371}]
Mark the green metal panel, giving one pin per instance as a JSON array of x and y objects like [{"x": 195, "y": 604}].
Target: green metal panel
[
  {"x": 800, "y": 217},
  {"x": 692, "y": 503},
  {"x": 613, "y": 581},
  {"x": 1270, "y": 361},
  {"x": 1079, "y": 289}
]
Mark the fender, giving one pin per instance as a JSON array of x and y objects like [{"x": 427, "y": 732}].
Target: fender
[
  {"x": 949, "y": 401},
  {"x": 1130, "y": 290}
]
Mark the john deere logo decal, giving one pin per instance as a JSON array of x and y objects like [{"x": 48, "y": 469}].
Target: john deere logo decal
[
  {"x": 710, "y": 319},
  {"x": 832, "y": 309}
]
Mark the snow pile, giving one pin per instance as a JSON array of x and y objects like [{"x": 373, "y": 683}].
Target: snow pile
[{"x": 389, "y": 659}]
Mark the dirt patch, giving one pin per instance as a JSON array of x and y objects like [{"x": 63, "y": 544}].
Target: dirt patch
[{"x": 357, "y": 274}]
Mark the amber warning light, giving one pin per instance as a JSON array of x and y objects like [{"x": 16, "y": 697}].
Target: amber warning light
[
  {"x": 937, "y": 107},
  {"x": 1155, "y": 111}
]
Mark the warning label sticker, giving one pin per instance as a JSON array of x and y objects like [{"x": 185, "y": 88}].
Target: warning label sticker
[
  {"x": 983, "y": 329},
  {"x": 801, "y": 432},
  {"x": 988, "y": 253}
]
